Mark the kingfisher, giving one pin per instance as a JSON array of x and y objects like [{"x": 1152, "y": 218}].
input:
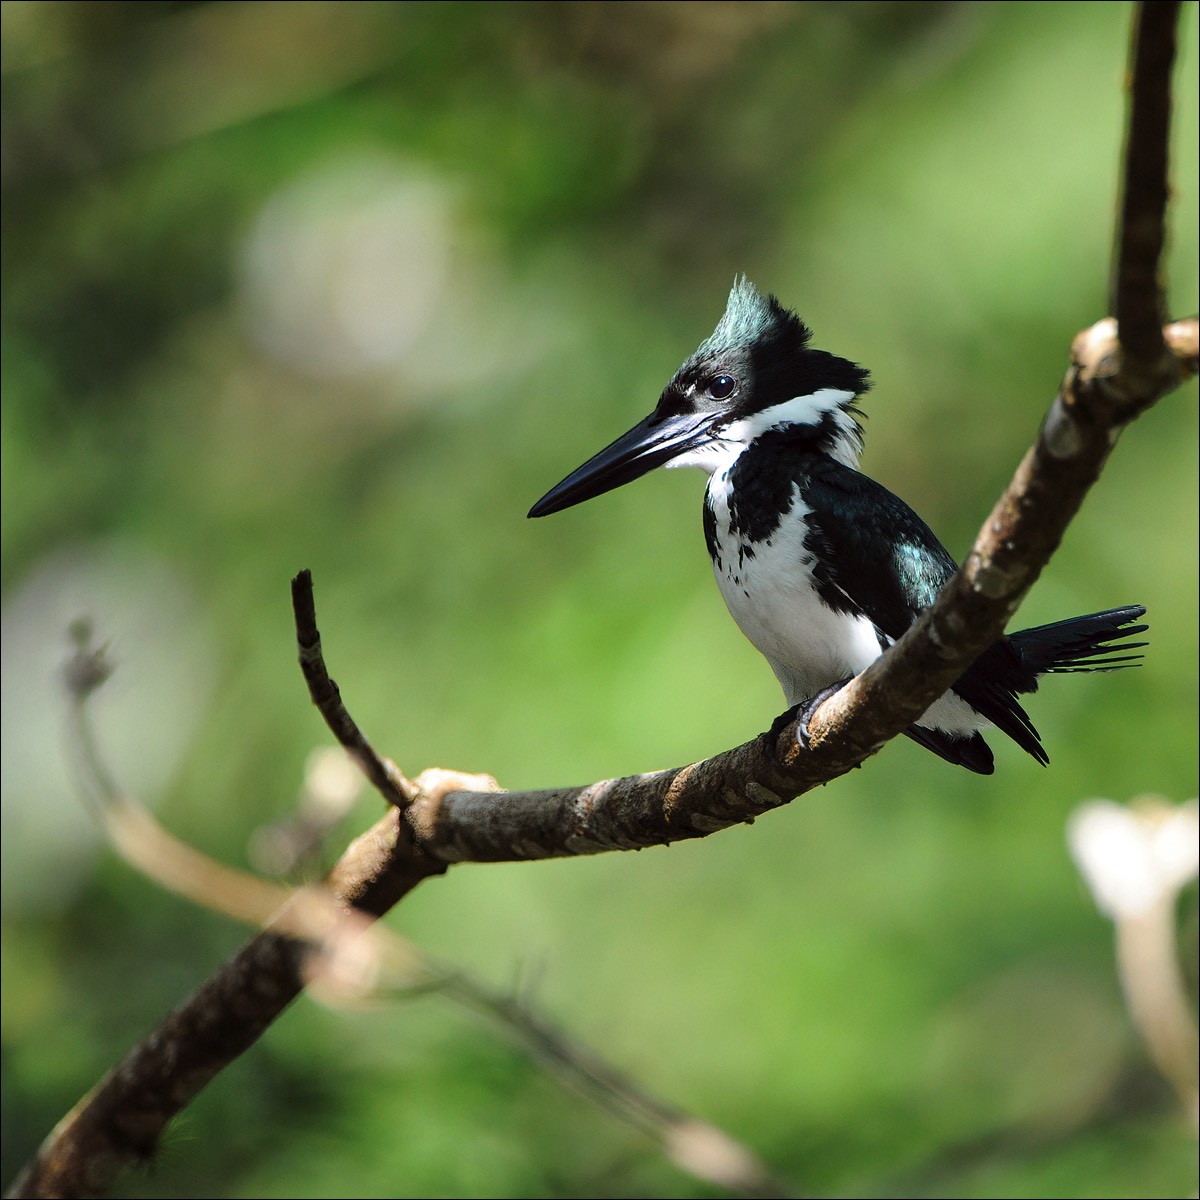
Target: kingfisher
[{"x": 821, "y": 567}]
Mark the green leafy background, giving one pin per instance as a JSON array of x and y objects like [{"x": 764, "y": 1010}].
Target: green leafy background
[{"x": 348, "y": 287}]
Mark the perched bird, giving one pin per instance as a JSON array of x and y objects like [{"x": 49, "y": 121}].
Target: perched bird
[{"x": 821, "y": 567}]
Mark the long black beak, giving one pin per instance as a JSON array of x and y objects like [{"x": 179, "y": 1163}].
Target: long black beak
[{"x": 649, "y": 444}]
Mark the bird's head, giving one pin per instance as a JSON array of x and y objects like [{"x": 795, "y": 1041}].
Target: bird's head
[{"x": 754, "y": 373}]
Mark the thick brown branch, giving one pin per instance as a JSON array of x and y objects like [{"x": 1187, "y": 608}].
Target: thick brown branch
[
  {"x": 1109, "y": 382},
  {"x": 429, "y": 827},
  {"x": 312, "y": 929},
  {"x": 121, "y": 1120},
  {"x": 1014, "y": 545},
  {"x": 1017, "y": 540}
]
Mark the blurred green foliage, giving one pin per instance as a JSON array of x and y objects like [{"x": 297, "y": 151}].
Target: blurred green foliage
[{"x": 348, "y": 287}]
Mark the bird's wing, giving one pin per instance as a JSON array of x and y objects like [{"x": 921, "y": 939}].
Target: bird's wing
[
  {"x": 854, "y": 517},
  {"x": 872, "y": 554}
]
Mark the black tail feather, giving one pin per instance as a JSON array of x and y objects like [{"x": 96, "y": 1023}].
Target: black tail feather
[
  {"x": 971, "y": 752},
  {"x": 1082, "y": 643},
  {"x": 1010, "y": 667}
]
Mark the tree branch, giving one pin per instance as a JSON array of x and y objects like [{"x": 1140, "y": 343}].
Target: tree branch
[
  {"x": 1022, "y": 533},
  {"x": 1136, "y": 295},
  {"x": 1110, "y": 381},
  {"x": 343, "y": 958},
  {"x": 120, "y": 1121},
  {"x": 383, "y": 774},
  {"x": 432, "y": 825}
]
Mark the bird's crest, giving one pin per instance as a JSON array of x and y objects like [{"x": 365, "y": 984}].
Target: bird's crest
[{"x": 751, "y": 318}]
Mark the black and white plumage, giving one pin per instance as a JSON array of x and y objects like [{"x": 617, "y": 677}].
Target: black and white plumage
[{"x": 821, "y": 567}]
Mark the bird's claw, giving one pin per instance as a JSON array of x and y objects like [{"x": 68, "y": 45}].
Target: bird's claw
[{"x": 804, "y": 712}]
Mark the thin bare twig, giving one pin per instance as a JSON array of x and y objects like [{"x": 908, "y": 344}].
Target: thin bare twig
[
  {"x": 701, "y": 1149},
  {"x": 384, "y": 775},
  {"x": 1137, "y": 296}
]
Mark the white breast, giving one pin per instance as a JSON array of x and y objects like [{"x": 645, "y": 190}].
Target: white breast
[{"x": 772, "y": 596}]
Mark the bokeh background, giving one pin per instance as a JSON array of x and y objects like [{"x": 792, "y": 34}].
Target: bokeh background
[{"x": 348, "y": 286}]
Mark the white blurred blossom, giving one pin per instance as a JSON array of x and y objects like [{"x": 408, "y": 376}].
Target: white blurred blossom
[{"x": 1132, "y": 858}]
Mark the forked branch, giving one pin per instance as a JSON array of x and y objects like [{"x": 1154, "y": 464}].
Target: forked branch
[{"x": 1115, "y": 374}]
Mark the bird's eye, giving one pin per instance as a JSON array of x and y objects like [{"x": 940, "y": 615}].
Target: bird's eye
[{"x": 721, "y": 387}]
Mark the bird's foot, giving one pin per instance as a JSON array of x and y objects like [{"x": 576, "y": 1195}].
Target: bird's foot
[
  {"x": 808, "y": 709},
  {"x": 801, "y": 714},
  {"x": 782, "y": 721}
]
